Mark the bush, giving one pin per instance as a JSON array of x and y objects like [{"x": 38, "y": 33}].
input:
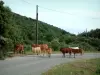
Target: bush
[
  {"x": 55, "y": 44},
  {"x": 27, "y": 48},
  {"x": 98, "y": 71},
  {"x": 6, "y": 45}
]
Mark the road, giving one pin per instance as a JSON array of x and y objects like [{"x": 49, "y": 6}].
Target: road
[{"x": 35, "y": 65}]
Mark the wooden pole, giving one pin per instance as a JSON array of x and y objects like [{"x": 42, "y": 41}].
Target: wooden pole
[{"x": 36, "y": 24}]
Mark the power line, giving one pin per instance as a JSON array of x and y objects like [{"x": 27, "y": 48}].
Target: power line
[
  {"x": 55, "y": 10},
  {"x": 50, "y": 9},
  {"x": 26, "y": 1},
  {"x": 59, "y": 11}
]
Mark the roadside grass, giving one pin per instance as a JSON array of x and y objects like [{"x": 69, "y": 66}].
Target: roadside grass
[{"x": 79, "y": 67}]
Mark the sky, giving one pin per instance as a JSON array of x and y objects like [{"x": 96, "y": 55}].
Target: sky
[{"x": 74, "y": 16}]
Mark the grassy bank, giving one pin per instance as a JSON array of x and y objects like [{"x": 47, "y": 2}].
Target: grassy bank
[{"x": 83, "y": 67}]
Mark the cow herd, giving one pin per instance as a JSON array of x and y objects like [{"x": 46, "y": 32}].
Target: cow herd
[{"x": 39, "y": 49}]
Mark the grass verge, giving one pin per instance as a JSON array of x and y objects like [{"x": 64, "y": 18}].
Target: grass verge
[{"x": 79, "y": 67}]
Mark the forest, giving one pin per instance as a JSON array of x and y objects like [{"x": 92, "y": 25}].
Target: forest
[{"x": 15, "y": 29}]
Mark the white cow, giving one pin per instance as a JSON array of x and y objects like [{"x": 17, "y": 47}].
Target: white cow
[
  {"x": 36, "y": 50},
  {"x": 74, "y": 47}
]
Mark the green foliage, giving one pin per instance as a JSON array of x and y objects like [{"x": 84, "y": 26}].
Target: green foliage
[
  {"x": 27, "y": 48},
  {"x": 93, "y": 33},
  {"x": 5, "y": 28},
  {"x": 55, "y": 44},
  {"x": 98, "y": 71}
]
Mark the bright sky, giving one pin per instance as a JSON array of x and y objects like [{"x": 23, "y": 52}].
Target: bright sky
[{"x": 74, "y": 16}]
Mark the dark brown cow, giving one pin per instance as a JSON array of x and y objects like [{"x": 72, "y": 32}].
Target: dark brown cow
[
  {"x": 19, "y": 48},
  {"x": 66, "y": 50}
]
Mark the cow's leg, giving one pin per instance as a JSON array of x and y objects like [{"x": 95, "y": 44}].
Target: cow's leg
[
  {"x": 74, "y": 55},
  {"x": 43, "y": 52},
  {"x": 49, "y": 55},
  {"x": 33, "y": 51},
  {"x": 24, "y": 52},
  {"x": 36, "y": 52},
  {"x": 64, "y": 55},
  {"x": 40, "y": 52},
  {"x": 69, "y": 55},
  {"x": 81, "y": 53},
  {"x": 19, "y": 51}
]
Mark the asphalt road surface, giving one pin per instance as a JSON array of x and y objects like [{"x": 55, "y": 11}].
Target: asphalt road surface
[{"x": 35, "y": 65}]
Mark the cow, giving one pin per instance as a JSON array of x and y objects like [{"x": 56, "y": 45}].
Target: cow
[
  {"x": 36, "y": 49},
  {"x": 75, "y": 51},
  {"x": 19, "y": 48},
  {"x": 71, "y": 50},
  {"x": 66, "y": 50},
  {"x": 49, "y": 52},
  {"x": 44, "y": 48}
]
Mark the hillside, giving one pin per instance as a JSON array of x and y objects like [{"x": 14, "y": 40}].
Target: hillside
[
  {"x": 26, "y": 28},
  {"x": 93, "y": 33}
]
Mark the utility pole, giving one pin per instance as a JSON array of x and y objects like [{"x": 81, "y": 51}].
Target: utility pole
[
  {"x": 86, "y": 33},
  {"x": 36, "y": 24}
]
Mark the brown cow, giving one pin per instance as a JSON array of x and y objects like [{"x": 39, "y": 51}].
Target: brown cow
[
  {"x": 71, "y": 50},
  {"x": 49, "y": 52},
  {"x": 44, "y": 48},
  {"x": 19, "y": 48},
  {"x": 66, "y": 50},
  {"x": 75, "y": 51}
]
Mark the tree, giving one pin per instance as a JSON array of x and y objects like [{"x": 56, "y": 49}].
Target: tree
[
  {"x": 55, "y": 44},
  {"x": 5, "y": 20}
]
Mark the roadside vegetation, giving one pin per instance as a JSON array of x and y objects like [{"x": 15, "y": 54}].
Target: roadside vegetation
[
  {"x": 17, "y": 29},
  {"x": 79, "y": 67}
]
